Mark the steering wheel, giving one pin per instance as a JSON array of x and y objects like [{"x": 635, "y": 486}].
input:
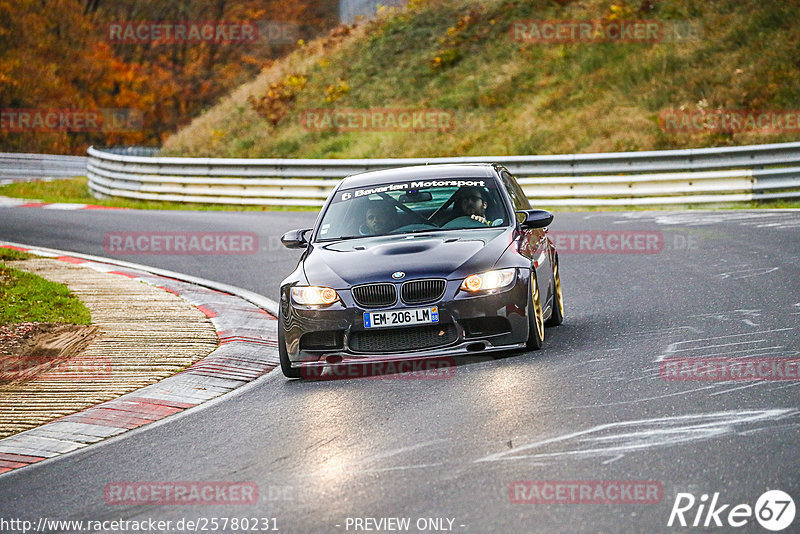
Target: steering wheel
[{"x": 464, "y": 221}]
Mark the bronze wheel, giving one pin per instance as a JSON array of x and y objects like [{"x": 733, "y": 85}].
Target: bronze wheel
[
  {"x": 557, "y": 317},
  {"x": 535, "y": 315}
]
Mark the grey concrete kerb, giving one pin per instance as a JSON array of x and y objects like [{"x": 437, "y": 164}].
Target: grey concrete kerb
[{"x": 247, "y": 329}]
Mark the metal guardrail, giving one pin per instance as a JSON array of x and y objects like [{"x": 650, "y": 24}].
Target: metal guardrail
[
  {"x": 708, "y": 175},
  {"x": 18, "y": 167}
]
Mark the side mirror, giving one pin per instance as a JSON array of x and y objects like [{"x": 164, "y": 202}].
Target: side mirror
[
  {"x": 295, "y": 238},
  {"x": 529, "y": 219}
]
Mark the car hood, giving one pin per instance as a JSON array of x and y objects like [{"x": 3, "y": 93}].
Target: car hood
[{"x": 448, "y": 254}]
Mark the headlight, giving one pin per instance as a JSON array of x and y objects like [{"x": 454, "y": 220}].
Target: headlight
[
  {"x": 314, "y": 296},
  {"x": 489, "y": 280}
]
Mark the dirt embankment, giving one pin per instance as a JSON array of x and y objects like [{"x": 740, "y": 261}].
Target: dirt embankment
[{"x": 28, "y": 350}]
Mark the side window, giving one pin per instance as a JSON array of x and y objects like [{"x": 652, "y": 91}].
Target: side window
[{"x": 517, "y": 194}]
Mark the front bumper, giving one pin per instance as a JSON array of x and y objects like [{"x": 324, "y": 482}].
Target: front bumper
[{"x": 468, "y": 324}]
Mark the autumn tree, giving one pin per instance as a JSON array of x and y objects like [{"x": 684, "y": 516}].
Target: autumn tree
[{"x": 59, "y": 54}]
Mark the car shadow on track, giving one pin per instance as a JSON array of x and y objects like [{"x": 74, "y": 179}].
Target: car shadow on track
[{"x": 438, "y": 368}]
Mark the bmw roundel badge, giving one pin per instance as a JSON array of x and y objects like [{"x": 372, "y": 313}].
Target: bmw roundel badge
[{"x": 398, "y": 275}]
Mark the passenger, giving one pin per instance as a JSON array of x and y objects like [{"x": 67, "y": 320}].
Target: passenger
[{"x": 380, "y": 219}]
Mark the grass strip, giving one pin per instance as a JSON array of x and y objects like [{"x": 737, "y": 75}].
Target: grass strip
[
  {"x": 76, "y": 191},
  {"x": 26, "y": 297}
]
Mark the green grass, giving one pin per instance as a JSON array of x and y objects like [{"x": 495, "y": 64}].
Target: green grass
[
  {"x": 25, "y": 297},
  {"x": 506, "y": 97},
  {"x": 518, "y": 98},
  {"x": 774, "y": 204},
  {"x": 12, "y": 254},
  {"x": 76, "y": 191}
]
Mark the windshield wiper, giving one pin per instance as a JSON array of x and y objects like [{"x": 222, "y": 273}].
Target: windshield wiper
[
  {"x": 346, "y": 237},
  {"x": 341, "y": 238},
  {"x": 422, "y": 230}
]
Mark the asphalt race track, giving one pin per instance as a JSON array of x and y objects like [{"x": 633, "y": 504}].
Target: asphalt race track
[{"x": 594, "y": 405}]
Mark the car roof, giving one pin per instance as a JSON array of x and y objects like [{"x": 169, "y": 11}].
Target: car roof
[{"x": 419, "y": 172}]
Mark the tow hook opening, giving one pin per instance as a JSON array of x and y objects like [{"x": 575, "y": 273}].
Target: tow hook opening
[
  {"x": 476, "y": 347},
  {"x": 333, "y": 360}
]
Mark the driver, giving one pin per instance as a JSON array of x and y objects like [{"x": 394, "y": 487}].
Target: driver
[
  {"x": 379, "y": 219},
  {"x": 471, "y": 202}
]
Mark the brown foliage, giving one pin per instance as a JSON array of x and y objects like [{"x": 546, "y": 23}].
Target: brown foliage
[
  {"x": 58, "y": 55},
  {"x": 278, "y": 100}
]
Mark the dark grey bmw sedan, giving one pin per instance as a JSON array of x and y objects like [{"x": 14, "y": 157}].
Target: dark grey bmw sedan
[{"x": 419, "y": 262}]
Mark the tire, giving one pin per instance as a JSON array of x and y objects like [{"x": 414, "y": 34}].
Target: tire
[
  {"x": 535, "y": 315},
  {"x": 557, "y": 317},
  {"x": 286, "y": 366}
]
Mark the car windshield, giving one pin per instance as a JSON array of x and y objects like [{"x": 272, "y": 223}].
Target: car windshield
[{"x": 413, "y": 206}]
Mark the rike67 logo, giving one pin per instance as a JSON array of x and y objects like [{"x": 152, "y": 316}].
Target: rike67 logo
[{"x": 774, "y": 510}]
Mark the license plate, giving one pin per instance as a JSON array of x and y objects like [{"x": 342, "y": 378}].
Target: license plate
[{"x": 401, "y": 317}]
